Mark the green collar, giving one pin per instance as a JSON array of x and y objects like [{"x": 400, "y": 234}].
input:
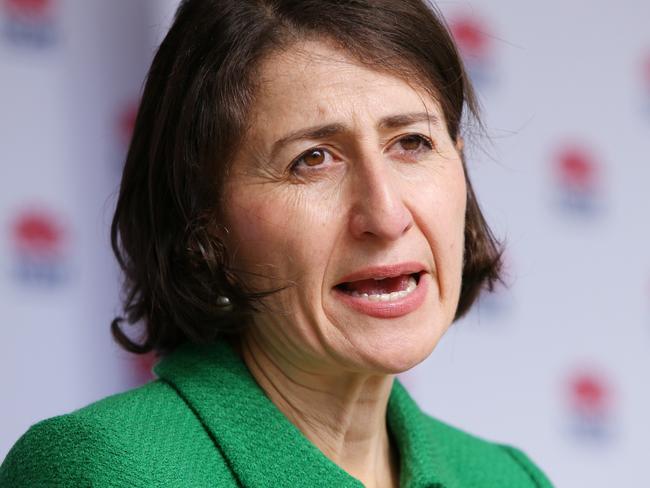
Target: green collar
[{"x": 265, "y": 449}]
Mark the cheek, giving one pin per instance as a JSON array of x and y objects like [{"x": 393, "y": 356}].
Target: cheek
[
  {"x": 453, "y": 220},
  {"x": 459, "y": 209},
  {"x": 443, "y": 224},
  {"x": 250, "y": 228},
  {"x": 444, "y": 199},
  {"x": 455, "y": 227},
  {"x": 280, "y": 235}
]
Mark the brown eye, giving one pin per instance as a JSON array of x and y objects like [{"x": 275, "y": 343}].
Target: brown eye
[
  {"x": 314, "y": 158},
  {"x": 411, "y": 143}
]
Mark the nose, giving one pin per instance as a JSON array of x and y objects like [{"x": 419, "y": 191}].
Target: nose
[{"x": 379, "y": 209}]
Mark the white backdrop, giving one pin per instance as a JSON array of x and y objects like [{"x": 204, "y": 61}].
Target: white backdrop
[{"x": 556, "y": 364}]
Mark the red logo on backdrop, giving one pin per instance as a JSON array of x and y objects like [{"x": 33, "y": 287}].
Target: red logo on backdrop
[
  {"x": 576, "y": 169},
  {"x": 29, "y": 22},
  {"x": 470, "y": 37},
  {"x": 475, "y": 46},
  {"x": 30, "y": 8},
  {"x": 36, "y": 232},
  {"x": 123, "y": 120},
  {"x": 126, "y": 122},
  {"x": 590, "y": 403},
  {"x": 577, "y": 179},
  {"x": 40, "y": 248}
]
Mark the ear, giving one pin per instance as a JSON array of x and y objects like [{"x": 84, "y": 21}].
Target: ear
[{"x": 460, "y": 144}]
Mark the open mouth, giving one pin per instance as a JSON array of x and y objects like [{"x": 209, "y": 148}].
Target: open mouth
[{"x": 382, "y": 289}]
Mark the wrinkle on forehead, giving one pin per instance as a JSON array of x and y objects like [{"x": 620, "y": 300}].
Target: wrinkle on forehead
[
  {"x": 316, "y": 83},
  {"x": 310, "y": 54}
]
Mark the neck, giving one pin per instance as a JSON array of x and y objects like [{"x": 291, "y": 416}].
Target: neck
[{"x": 343, "y": 415}]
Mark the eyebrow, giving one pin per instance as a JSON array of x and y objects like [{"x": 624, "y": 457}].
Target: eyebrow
[
  {"x": 329, "y": 130},
  {"x": 402, "y": 120}
]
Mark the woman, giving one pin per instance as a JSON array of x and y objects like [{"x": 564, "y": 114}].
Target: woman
[{"x": 296, "y": 226}]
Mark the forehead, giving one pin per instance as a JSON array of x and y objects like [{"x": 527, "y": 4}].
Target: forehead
[{"x": 315, "y": 82}]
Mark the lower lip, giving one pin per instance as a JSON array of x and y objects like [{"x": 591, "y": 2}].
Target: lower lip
[{"x": 387, "y": 310}]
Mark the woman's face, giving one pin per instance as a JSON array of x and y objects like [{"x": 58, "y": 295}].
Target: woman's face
[{"x": 347, "y": 175}]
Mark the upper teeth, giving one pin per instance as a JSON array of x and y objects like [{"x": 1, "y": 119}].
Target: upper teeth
[{"x": 388, "y": 297}]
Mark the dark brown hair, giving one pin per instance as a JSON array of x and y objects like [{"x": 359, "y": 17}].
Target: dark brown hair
[{"x": 194, "y": 108}]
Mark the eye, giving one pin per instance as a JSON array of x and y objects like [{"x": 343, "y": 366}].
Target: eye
[
  {"x": 413, "y": 143},
  {"x": 311, "y": 158}
]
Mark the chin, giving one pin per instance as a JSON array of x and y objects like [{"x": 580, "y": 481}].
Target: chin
[{"x": 399, "y": 349}]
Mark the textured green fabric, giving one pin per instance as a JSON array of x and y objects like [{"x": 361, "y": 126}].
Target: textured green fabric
[{"x": 205, "y": 422}]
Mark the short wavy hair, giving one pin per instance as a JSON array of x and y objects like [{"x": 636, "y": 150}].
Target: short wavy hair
[{"x": 193, "y": 112}]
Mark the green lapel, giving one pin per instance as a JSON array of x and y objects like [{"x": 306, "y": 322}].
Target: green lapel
[
  {"x": 421, "y": 441},
  {"x": 264, "y": 448}
]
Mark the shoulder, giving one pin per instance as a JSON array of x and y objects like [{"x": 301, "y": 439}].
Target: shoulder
[
  {"x": 143, "y": 437},
  {"x": 483, "y": 462}
]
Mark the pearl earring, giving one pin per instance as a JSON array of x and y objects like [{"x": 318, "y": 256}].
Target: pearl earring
[{"x": 223, "y": 301}]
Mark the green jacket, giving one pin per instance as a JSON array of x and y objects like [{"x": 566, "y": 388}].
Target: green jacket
[{"x": 205, "y": 422}]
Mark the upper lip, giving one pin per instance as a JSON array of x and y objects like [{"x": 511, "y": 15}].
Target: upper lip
[{"x": 385, "y": 271}]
